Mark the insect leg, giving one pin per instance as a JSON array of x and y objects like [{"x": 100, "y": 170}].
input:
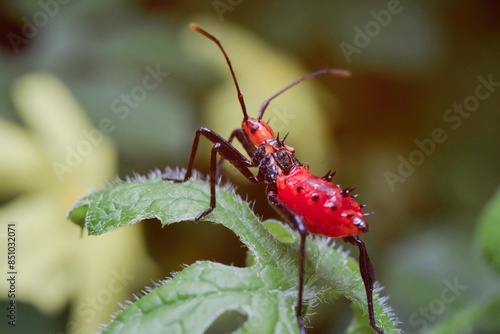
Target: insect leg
[
  {"x": 295, "y": 221},
  {"x": 226, "y": 151},
  {"x": 242, "y": 138},
  {"x": 233, "y": 155},
  {"x": 368, "y": 275},
  {"x": 194, "y": 149}
]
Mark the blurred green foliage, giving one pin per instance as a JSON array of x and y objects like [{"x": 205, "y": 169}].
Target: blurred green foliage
[{"x": 411, "y": 70}]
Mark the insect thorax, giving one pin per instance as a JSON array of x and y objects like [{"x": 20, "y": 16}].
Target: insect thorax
[{"x": 273, "y": 159}]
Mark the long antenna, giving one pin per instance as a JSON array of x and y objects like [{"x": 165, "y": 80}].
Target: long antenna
[
  {"x": 197, "y": 28},
  {"x": 325, "y": 71}
]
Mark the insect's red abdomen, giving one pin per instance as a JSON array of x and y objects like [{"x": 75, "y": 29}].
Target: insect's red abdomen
[{"x": 325, "y": 208}]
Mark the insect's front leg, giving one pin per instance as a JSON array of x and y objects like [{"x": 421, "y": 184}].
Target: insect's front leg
[
  {"x": 239, "y": 134},
  {"x": 296, "y": 222},
  {"x": 226, "y": 151},
  {"x": 194, "y": 149},
  {"x": 230, "y": 153}
]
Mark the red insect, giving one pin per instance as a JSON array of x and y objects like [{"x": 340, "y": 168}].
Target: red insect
[{"x": 310, "y": 204}]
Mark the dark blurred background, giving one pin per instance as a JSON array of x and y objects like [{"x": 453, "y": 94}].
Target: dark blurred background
[{"x": 416, "y": 128}]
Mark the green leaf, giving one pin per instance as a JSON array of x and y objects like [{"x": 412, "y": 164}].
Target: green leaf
[
  {"x": 280, "y": 231},
  {"x": 192, "y": 300},
  {"x": 78, "y": 215},
  {"x": 359, "y": 324},
  {"x": 489, "y": 232}
]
